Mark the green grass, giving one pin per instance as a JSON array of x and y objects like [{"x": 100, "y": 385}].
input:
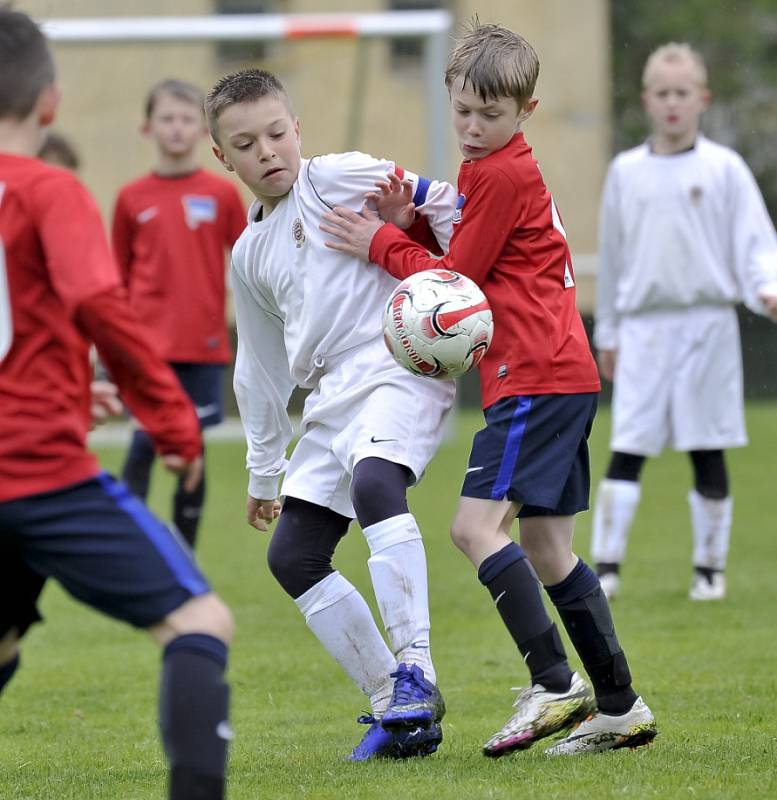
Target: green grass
[{"x": 78, "y": 721}]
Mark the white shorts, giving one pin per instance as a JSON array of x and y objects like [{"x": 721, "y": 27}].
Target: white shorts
[
  {"x": 366, "y": 406},
  {"x": 678, "y": 382}
]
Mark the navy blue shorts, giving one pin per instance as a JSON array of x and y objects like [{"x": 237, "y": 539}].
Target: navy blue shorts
[
  {"x": 204, "y": 383},
  {"x": 534, "y": 451},
  {"x": 105, "y": 548}
]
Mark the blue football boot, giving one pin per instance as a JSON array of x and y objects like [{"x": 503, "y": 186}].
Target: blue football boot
[
  {"x": 404, "y": 743},
  {"x": 415, "y": 701}
]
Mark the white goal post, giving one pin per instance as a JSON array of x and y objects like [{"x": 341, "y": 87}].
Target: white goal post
[{"x": 432, "y": 26}]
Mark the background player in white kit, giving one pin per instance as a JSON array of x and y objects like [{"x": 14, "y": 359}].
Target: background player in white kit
[
  {"x": 310, "y": 317},
  {"x": 684, "y": 236}
]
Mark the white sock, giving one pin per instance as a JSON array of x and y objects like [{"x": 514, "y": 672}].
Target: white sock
[
  {"x": 341, "y": 620},
  {"x": 616, "y": 504},
  {"x": 398, "y": 568},
  {"x": 711, "y": 530}
]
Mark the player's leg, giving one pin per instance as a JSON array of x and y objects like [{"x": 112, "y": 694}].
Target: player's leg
[
  {"x": 9, "y": 656},
  {"x": 145, "y": 576},
  {"x": 398, "y": 570},
  {"x": 20, "y": 588},
  {"x": 136, "y": 472},
  {"x": 204, "y": 385},
  {"x": 711, "y": 515},
  {"x": 622, "y": 718},
  {"x": 188, "y": 506},
  {"x": 616, "y": 504},
  {"x": 502, "y": 466},
  {"x": 300, "y": 558},
  {"x": 556, "y": 697}
]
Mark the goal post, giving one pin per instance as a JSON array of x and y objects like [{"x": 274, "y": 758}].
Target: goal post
[{"x": 433, "y": 27}]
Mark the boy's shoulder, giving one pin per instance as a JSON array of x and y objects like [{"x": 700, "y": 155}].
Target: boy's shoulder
[{"x": 342, "y": 178}]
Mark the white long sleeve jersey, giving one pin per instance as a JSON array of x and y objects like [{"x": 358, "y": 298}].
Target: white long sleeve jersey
[
  {"x": 300, "y": 306},
  {"x": 680, "y": 230}
]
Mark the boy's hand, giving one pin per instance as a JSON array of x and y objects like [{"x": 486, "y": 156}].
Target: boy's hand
[
  {"x": 104, "y": 402},
  {"x": 770, "y": 303},
  {"x": 260, "y": 513},
  {"x": 190, "y": 471},
  {"x": 606, "y": 359},
  {"x": 394, "y": 201},
  {"x": 354, "y": 231}
]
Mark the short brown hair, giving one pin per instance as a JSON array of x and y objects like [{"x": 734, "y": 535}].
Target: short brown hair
[
  {"x": 26, "y": 64},
  {"x": 181, "y": 90},
  {"x": 57, "y": 149},
  {"x": 496, "y": 62},
  {"x": 244, "y": 86}
]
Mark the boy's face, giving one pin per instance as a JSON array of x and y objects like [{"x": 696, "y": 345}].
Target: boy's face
[
  {"x": 483, "y": 127},
  {"x": 176, "y": 125},
  {"x": 674, "y": 100},
  {"x": 260, "y": 141}
]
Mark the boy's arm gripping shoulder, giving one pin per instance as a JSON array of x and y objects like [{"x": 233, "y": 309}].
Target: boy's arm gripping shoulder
[
  {"x": 754, "y": 243},
  {"x": 263, "y": 386},
  {"x": 610, "y": 257}
]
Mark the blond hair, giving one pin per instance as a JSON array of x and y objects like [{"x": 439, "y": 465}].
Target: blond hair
[
  {"x": 496, "y": 62},
  {"x": 674, "y": 53}
]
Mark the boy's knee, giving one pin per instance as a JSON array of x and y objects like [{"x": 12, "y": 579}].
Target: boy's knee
[
  {"x": 9, "y": 646},
  {"x": 462, "y": 536},
  {"x": 203, "y": 614}
]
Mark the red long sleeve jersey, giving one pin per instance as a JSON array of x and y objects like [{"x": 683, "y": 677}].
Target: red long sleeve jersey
[
  {"x": 170, "y": 234},
  {"x": 63, "y": 291},
  {"x": 509, "y": 239}
]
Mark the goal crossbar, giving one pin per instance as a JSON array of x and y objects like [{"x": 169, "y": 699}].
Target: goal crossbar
[{"x": 432, "y": 26}]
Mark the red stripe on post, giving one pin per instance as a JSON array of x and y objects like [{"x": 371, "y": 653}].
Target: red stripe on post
[{"x": 312, "y": 29}]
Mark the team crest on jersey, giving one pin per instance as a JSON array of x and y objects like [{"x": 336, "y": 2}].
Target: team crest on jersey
[
  {"x": 298, "y": 232},
  {"x": 696, "y": 195},
  {"x": 459, "y": 208},
  {"x": 198, "y": 208}
]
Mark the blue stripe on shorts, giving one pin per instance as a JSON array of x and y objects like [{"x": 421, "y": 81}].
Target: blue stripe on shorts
[
  {"x": 164, "y": 542},
  {"x": 512, "y": 448}
]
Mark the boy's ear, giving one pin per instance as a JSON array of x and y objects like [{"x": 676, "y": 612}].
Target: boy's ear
[
  {"x": 145, "y": 128},
  {"x": 528, "y": 109},
  {"x": 48, "y": 102},
  {"x": 222, "y": 158}
]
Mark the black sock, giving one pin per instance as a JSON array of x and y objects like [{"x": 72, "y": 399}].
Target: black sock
[
  {"x": 136, "y": 472},
  {"x": 585, "y": 613},
  {"x": 187, "y": 510},
  {"x": 707, "y": 573},
  {"x": 193, "y": 716},
  {"x": 606, "y": 567},
  {"x": 7, "y": 670},
  {"x": 516, "y": 592}
]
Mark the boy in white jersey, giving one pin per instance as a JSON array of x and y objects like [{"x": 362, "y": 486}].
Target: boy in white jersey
[
  {"x": 684, "y": 236},
  {"x": 312, "y": 318}
]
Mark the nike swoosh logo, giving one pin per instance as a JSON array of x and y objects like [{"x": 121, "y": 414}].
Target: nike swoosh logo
[
  {"x": 473, "y": 469},
  {"x": 377, "y": 441},
  {"x": 204, "y": 411},
  {"x": 501, "y": 595}
]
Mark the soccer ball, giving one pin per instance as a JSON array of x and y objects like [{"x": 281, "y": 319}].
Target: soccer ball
[{"x": 438, "y": 324}]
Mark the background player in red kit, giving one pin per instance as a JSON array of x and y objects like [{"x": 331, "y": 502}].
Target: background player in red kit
[
  {"x": 60, "y": 515},
  {"x": 539, "y": 384},
  {"x": 170, "y": 232}
]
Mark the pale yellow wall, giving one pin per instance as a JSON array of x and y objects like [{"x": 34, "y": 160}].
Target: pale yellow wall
[{"x": 105, "y": 85}]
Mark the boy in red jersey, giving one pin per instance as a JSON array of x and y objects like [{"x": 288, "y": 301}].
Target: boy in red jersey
[
  {"x": 539, "y": 386},
  {"x": 171, "y": 229},
  {"x": 60, "y": 515}
]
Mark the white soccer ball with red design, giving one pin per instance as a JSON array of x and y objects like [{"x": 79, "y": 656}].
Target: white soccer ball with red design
[{"x": 438, "y": 324}]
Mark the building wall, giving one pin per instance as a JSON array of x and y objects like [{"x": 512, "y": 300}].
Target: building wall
[{"x": 348, "y": 94}]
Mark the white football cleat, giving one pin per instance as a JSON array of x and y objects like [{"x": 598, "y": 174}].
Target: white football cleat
[
  {"x": 602, "y": 732},
  {"x": 704, "y": 589},
  {"x": 610, "y": 583},
  {"x": 540, "y": 713}
]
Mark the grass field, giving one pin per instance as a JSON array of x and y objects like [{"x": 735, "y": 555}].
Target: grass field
[{"x": 78, "y": 720}]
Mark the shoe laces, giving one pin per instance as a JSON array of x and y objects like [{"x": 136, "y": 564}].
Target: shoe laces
[
  {"x": 523, "y": 691},
  {"x": 408, "y": 686}
]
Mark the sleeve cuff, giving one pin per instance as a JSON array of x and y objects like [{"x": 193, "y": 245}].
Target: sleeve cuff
[{"x": 262, "y": 487}]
